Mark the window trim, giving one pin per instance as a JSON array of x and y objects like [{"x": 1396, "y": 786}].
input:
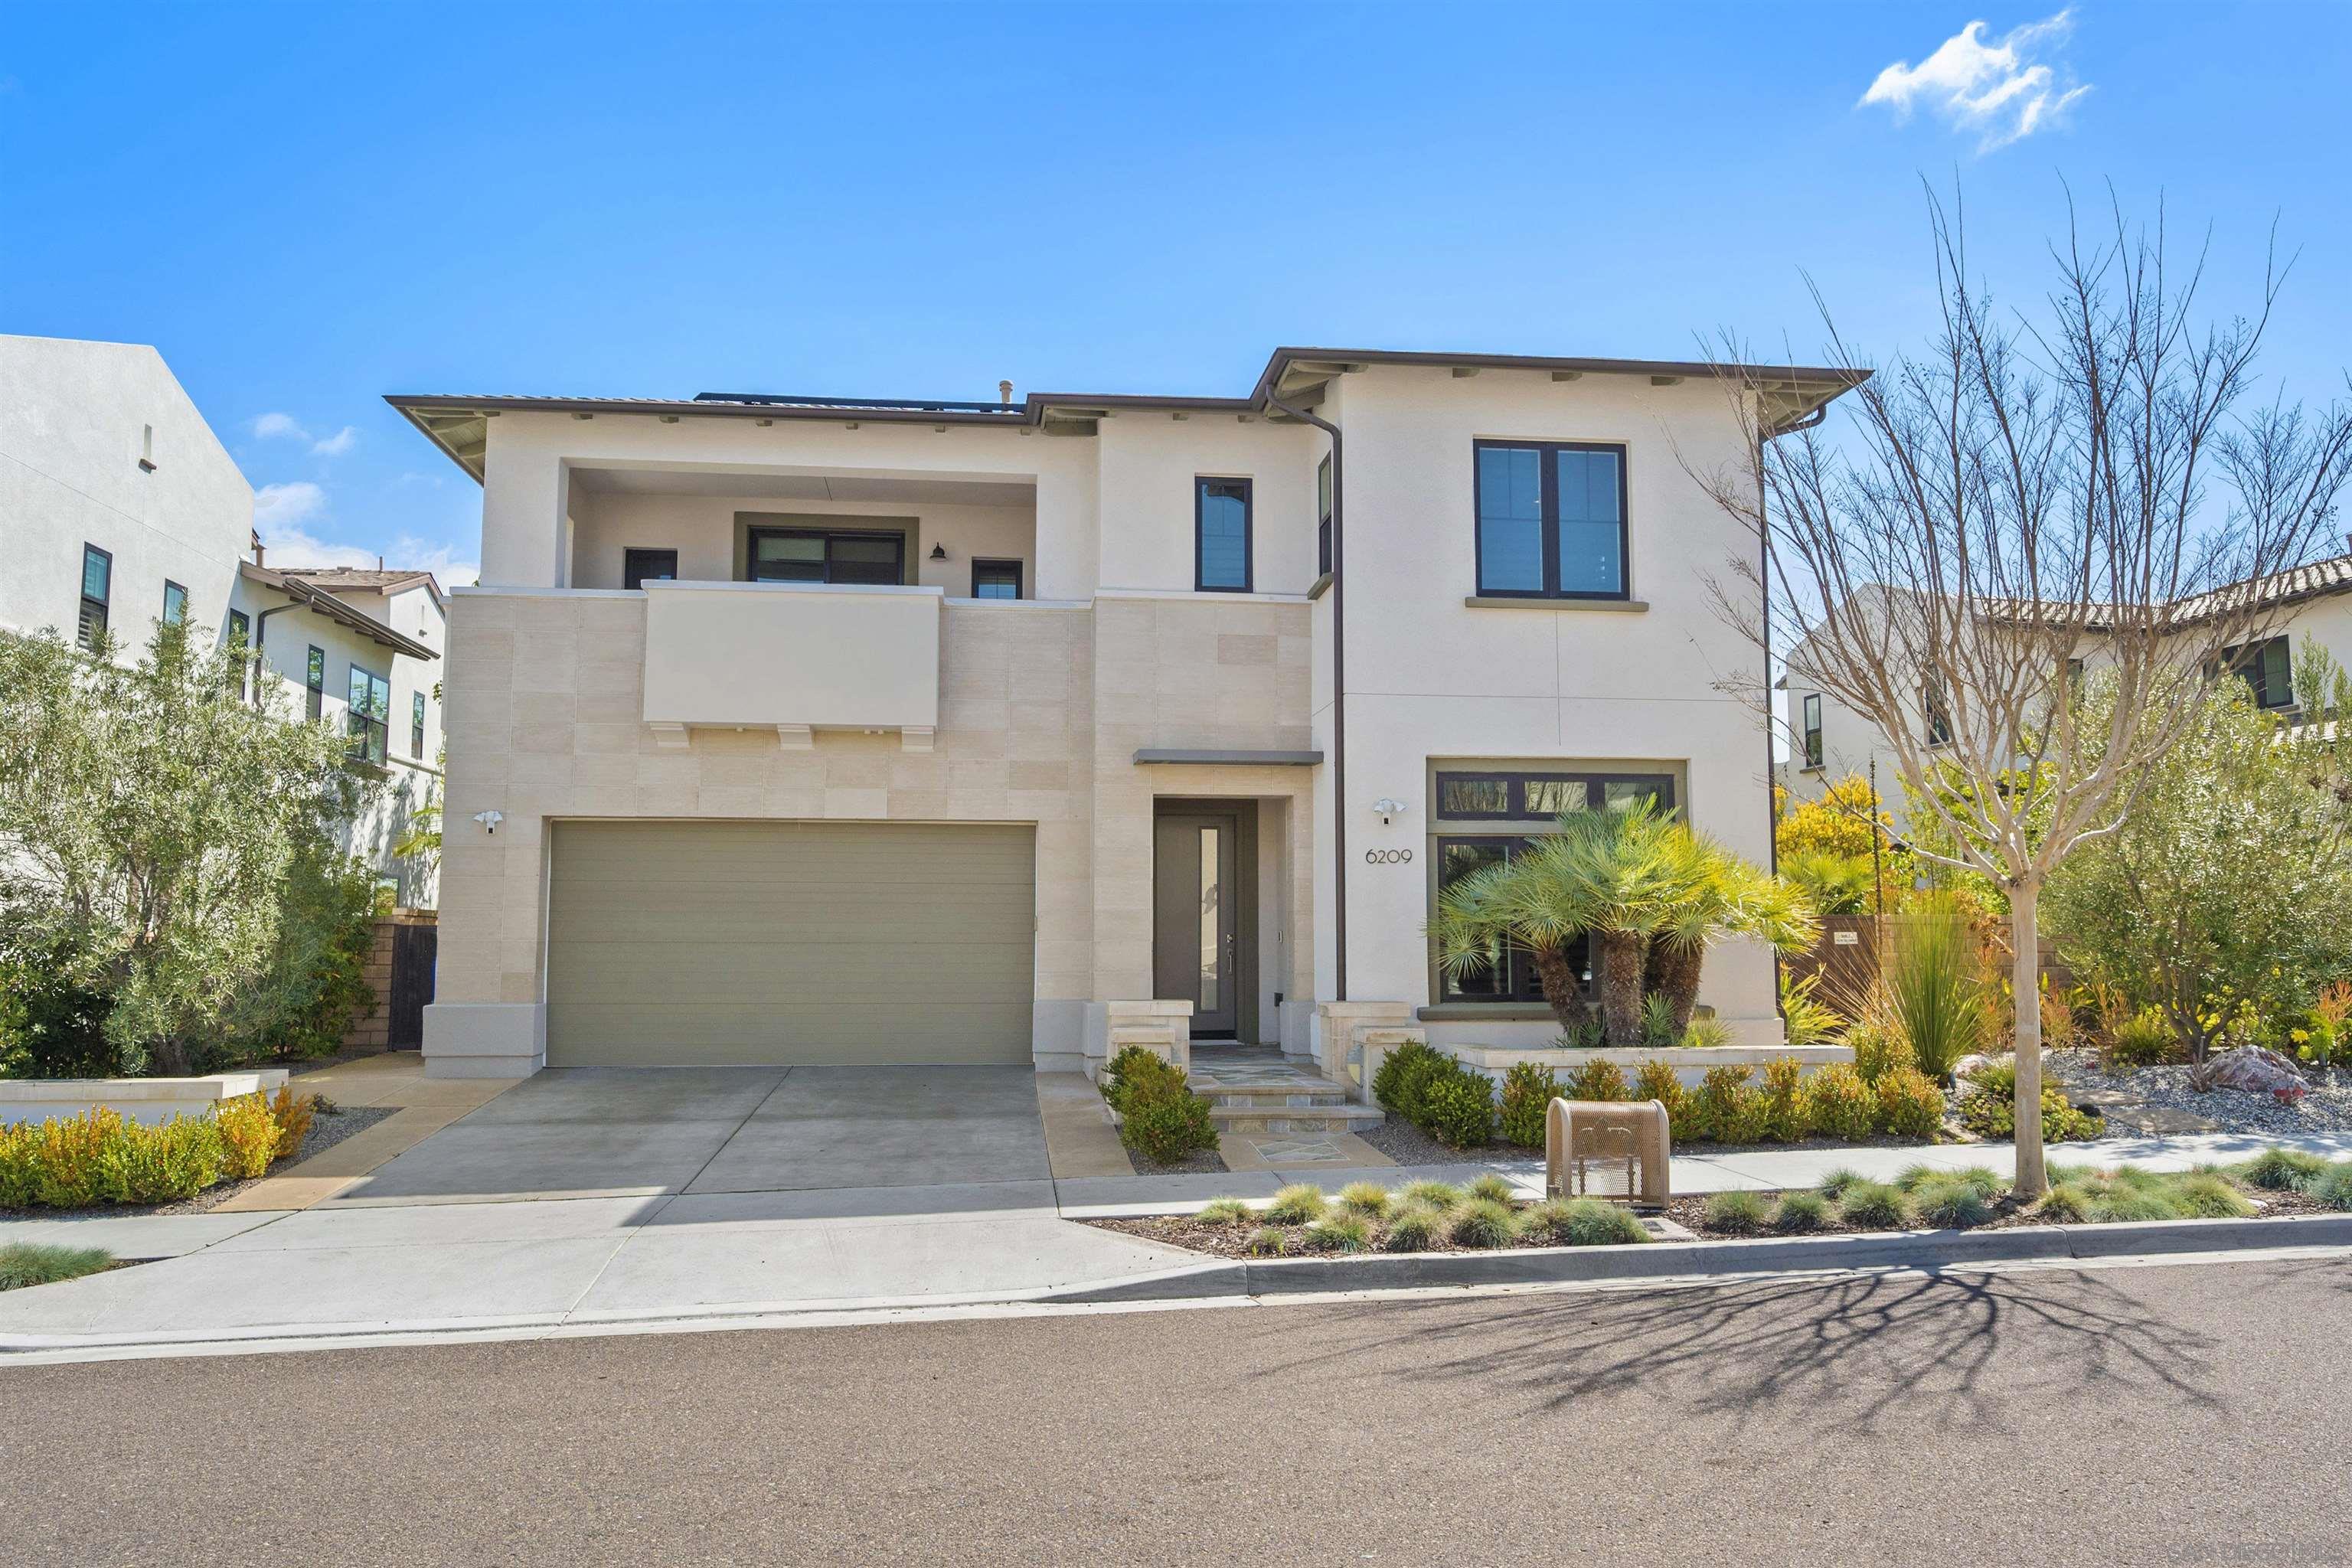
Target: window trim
[
  {"x": 171, "y": 588},
  {"x": 416, "y": 725},
  {"x": 373, "y": 734},
  {"x": 1323, "y": 516},
  {"x": 314, "y": 682},
  {"x": 1518, "y": 975},
  {"x": 1812, "y": 732},
  {"x": 1936, "y": 717},
  {"x": 754, "y": 532},
  {"x": 1548, "y": 509},
  {"x": 998, "y": 563},
  {"x": 633, "y": 559},
  {"x": 240, "y": 643},
  {"x": 104, "y": 604},
  {"x": 2243, "y": 660},
  {"x": 1248, "y": 584}
]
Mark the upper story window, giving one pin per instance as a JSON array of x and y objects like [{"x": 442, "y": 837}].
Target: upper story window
[
  {"x": 1938, "y": 715},
  {"x": 1220, "y": 535},
  {"x": 823, "y": 556},
  {"x": 1552, "y": 519},
  {"x": 639, "y": 567},
  {"x": 314, "y": 682},
  {"x": 370, "y": 702},
  {"x": 1323, "y": 516},
  {"x": 175, "y": 603},
  {"x": 416, "y": 725},
  {"x": 2266, "y": 667},
  {"x": 97, "y": 592},
  {"x": 240, "y": 633},
  {"x": 996, "y": 579},
  {"x": 1812, "y": 728}
]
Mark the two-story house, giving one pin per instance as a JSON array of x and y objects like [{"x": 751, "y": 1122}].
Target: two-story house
[
  {"x": 805, "y": 730},
  {"x": 119, "y": 507}
]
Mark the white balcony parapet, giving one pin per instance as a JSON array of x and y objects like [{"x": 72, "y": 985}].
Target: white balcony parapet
[{"x": 795, "y": 658}]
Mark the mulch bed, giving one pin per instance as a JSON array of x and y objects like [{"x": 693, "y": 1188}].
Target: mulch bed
[
  {"x": 327, "y": 1129},
  {"x": 1408, "y": 1145},
  {"x": 1206, "y": 1163},
  {"x": 2008, "y": 1214},
  {"x": 1233, "y": 1240}
]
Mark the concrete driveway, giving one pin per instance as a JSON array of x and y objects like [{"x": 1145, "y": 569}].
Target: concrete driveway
[{"x": 649, "y": 1132}]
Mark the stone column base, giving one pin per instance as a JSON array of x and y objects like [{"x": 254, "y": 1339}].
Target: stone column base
[
  {"x": 484, "y": 1039},
  {"x": 1342, "y": 1052},
  {"x": 1163, "y": 1028}
]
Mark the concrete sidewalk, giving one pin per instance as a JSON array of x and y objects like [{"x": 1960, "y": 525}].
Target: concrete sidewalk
[{"x": 555, "y": 1261}]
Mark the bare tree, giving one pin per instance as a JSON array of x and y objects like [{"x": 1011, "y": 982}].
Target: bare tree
[{"x": 2093, "y": 482}]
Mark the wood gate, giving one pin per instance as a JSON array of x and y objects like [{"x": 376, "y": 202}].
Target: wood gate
[{"x": 414, "y": 949}]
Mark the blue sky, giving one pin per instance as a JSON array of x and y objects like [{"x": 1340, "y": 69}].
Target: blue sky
[{"x": 306, "y": 207}]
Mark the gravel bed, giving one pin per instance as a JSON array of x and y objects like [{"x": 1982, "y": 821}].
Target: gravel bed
[
  {"x": 2326, "y": 1108},
  {"x": 327, "y": 1129},
  {"x": 1204, "y": 1163}
]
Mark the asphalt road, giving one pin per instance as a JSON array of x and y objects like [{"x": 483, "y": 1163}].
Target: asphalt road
[{"x": 2194, "y": 1414}]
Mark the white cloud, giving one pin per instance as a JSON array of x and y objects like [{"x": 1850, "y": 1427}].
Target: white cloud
[
  {"x": 283, "y": 506},
  {"x": 275, "y": 427},
  {"x": 336, "y": 445},
  {"x": 2002, "y": 91}
]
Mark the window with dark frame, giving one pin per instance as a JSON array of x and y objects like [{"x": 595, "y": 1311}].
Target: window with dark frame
[
  {"x": 2266, "y": 667},
  {"x": 1812, "y": 730},
  {"x": 1552, "y": 519},
  {"x": 1323, "y": 516},
  {"x": 416, "y": 725},
  {"x": 97, "y": 594},
  {"x": 1938, "y": 716},
  {"x": 240, "y": 634},
  {"x": 314, "y": 682},
  {"x": 175, "y": 603},
  {"x": 995, "y": 579},
  {"x": 1220, "y": 536},
  {"x": 370, "y": 716},
  {"x": 639, "y": 567},
  {"x": 826, "y": 555},
  {"x": 1484, "y": 818}
]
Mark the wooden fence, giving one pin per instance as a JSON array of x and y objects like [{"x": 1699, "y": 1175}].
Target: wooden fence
[{"x": 1847, "y": 956}]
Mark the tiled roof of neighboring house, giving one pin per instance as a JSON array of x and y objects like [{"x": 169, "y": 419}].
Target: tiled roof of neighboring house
[
  {"x": 348, "y": 580},
  {"x": 301, "y": 587},
  {"x": 458, "y": 424}
]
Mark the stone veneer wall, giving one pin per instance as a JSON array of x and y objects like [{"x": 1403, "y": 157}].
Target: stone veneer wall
[{"x": 372, "y": 1030}]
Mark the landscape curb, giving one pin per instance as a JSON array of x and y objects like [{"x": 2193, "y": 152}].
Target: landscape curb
[{"x": 1711, "y": 1259}]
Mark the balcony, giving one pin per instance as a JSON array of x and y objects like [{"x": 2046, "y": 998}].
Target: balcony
[{"x": 796, "y": 657}]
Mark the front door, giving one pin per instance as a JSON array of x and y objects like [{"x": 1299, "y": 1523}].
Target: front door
[{"x": 1196, "y": 900}]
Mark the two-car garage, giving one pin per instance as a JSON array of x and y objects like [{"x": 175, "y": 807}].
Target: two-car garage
[{"x": 789, "y": 943}]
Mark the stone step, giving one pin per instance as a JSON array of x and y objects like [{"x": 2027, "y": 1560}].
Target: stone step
[
  {"x": 1306, "y": 1091},
  {"x": 1297, "y": 1118}
]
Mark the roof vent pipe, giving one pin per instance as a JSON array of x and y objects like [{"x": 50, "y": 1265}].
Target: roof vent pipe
[{"x": 1004, "y": 392}]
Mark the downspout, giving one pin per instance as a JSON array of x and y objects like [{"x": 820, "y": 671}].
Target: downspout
[{"x": 1339, "y": 701}]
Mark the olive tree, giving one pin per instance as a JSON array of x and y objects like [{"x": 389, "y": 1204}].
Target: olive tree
[{"x": 2092, "y": 478}]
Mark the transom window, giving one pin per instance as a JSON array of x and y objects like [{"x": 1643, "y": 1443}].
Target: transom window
[
  {"x": 96, "y": 593},
  {"x": 1552, "y": 519},
  {"x": 370, "y": 702},
  {"x": 1220, "y": 535},
  {"x": 2266, "y": 667},
  {"x": 1484, "y": 818},
  {"x": 826, "y": 555}
]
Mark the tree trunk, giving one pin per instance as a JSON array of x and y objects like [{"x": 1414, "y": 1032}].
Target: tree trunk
[
  {"x": 1562, "y": 989},
  {"x": 1617, "y": 968},
  {"x": 2025, "y": 977},
  {"x": 1675, "y": 969}
]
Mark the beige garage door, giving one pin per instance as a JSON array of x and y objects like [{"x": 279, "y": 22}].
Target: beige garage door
[{"x": 789, "y": 942}]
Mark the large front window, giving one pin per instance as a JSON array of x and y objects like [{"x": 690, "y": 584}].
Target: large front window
[
  {"x": 1483, "y": 818},
  {"x": 826, "y": 555},
  {"x": 1221, "y": 528},
  {"x": 371, "y": 705},
  {"x": 1552, "y": 519}
]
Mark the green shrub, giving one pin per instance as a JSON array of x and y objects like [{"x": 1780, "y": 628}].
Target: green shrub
[
  {"x": 1165, "y": 1128},
  {"x": 1787, "y": 1117},
  {"x": 1714, "y": 1108},
  {"x": 1137, "y": 1070},
  {"x": 1367, "y": 1198},
  {"x": 1991, "y": 1112},
  {"x": 1932, "y": 982},
  {"x": 2331, "y": 1186},
  {"x": 2119, "y": 1205},
  {"x": 175, "y": 1160},
  {"x": 1339, "y": 1233},
  {"x": 1801, "y": 1211},
  {"x": 1268, "y": 1241},
  {"x": 1597, "y": 1080},
  {"x": 23, "y": 1263},
  {"x": 1588, "y": 1222},
  {"x": 1297, "y": 1203},
  {"x": 1737, "y": 1213},
  {"x": 1438, "y": 1195},
  {"x": 2201, "y": 1195},
  {"x": 1482, "y": 1223},
  {"x": 2280, "y": 1170},
  {"x": 52, "y": 1016},
  {"x": 1223, "y": 1211},
  {"x": 1983, "y": 1178},
  {"x": 1874, "y": 1205},
  {"x": 250, "y": 1133},
  {"x": 1878, "y": 1049},
  {"x": 2066, "y": 1202},
  {"x": 1950, "y": 1204},
  {"x": 1833, "y": 1185},
  {"x": 1528, "y": 1090},
  {"x": 1494, "y": 1189},
  {"x": 1415, "y": 1227},
  {"x": 1657, "y": 1079},
  {"x": 1658, "y": 1020},
  {"x": 1810, "y": 1021},
  {"x": 1405, "y": 1074},
  {"x": 2142, "y": 1040},
  {"x": 1909, "y": 1104},
  {"x": 1706, "y": 1035},
  {"x": 98, "y": 1157},
  {"x": 1458, "y": 1109},
  {"x": 1840, "y": 1105}
]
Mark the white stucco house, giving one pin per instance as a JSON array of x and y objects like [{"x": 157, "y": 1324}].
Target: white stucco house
[
  {"x": 807, "y": 730},
  {"x": 119, "y": 507}
]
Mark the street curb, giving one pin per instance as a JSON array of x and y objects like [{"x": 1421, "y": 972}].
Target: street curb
[{"x": 1712, "y": 1259}]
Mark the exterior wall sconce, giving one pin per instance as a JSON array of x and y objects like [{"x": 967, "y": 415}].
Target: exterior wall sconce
[
  {"x": 489, "y": 820},
  {"x": 939, "y": 552}
]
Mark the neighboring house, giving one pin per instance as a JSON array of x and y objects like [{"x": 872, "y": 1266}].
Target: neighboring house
[
  {"x": 1827, "y": 741},
  {"x": 119, "y": 507},
  {"x": 809, "y": 729}
]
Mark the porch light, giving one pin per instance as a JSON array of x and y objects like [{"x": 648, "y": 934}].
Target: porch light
[
  {"x": 1387, "y": 808},
  {"x": 939, "y": 552}
]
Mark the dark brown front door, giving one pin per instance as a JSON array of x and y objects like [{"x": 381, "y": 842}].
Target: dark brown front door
[{"x": 1196, "y": 904}]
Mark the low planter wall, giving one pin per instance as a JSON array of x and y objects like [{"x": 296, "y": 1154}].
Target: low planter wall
[
  {"x": 1690, "y": 1064},
  {"x": 147, "y": 1101}
]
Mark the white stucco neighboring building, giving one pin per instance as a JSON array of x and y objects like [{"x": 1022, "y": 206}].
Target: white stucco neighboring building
[
  {"x": 805, "y": 729},
  {"x": 119, "y": 507}
]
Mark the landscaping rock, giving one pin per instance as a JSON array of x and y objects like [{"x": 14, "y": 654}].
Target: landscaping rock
[
  {"x": 1969, "y": 1065},
  {"x": 2256, "y": 1069}
]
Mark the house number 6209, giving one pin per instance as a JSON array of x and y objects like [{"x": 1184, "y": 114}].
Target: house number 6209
[{"x": 1386, "y": 857}]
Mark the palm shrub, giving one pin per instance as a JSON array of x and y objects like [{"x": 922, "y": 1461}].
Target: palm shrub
[
  {"x": 1787, "y": 1115},
  {"x": 1837, "y": 884},
  {"x": 1933, "y": 980},
  {"x": 1909, "y": 1104},
  {"x": 1706, "y": 1035},
  {"x": 1528, "y": 1090},
  {"x": 1658, "y": 1030},
  {"x": 1810, "y": 1020},
  {"x": 1839, "y": 1104},
  {"x": 1599, "y": 1080}
]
